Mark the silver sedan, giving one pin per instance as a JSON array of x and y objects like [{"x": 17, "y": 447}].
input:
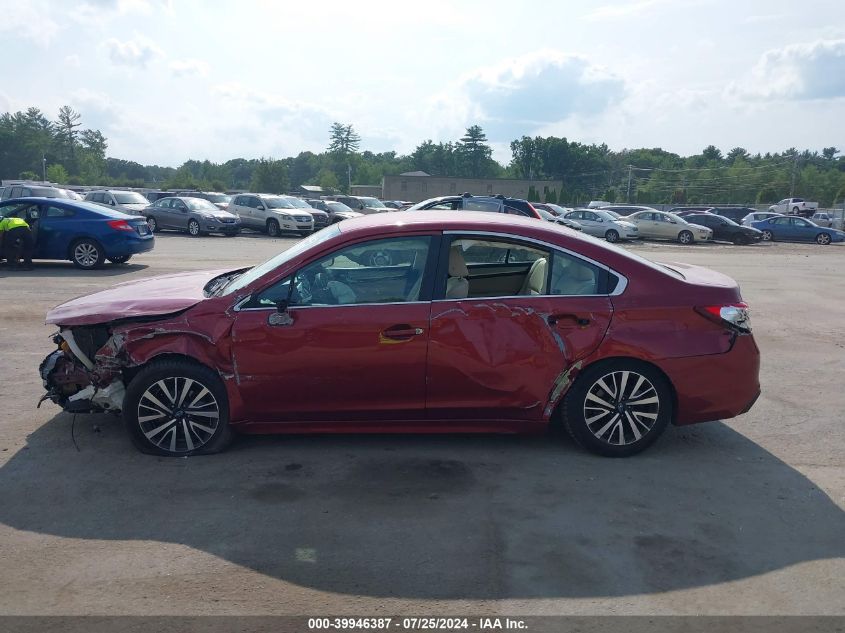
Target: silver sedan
[
  {"x": 668, "y": 226},
  {"x": 603, "y": 224}
]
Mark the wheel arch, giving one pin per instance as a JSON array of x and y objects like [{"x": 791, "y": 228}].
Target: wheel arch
[{"x": 556, "y": 419}]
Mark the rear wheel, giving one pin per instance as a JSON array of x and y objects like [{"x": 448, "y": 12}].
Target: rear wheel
[
  {"x": 686, "y": 237},
  {"x": 119, "y": 259},
  {"x": 273, "y": 229},
  {"x": 767, "y": 236},
  {"x": 617, "y": 408},
  {"x": 823, "y": 239},
  {"x": 87, "y": 254},
  {"x": 151, "y": 222},
  {"x": 177, "y": 408},
  {"x": 795, "y": 210},
  {"x": 612, "y": 236}
]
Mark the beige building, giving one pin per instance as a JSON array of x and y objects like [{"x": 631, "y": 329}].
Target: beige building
[{"x": 416, "y": 186}]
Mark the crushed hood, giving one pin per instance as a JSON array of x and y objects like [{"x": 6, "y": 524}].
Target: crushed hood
[{"x": 153, "y": 296}]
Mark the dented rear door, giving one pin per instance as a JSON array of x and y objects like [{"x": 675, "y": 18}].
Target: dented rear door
[{"x": 507, "y": 358}]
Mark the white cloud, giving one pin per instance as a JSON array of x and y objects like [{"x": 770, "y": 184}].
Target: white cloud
[
  {"x": 31, "y": 20},
  {"x": 72, "y": 61},
  {"x": 138, "y": 52},
  {"x": 806, "y": 71},
  {"x": 189, "y": 67},
  {"x": 523, "y": 94},
  {"x": 623, "y": 9}
]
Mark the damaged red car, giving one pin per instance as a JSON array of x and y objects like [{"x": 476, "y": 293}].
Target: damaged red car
[{"x": 413, "y": 322}]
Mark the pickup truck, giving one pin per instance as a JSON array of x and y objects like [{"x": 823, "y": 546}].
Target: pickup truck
[{"x": 795, "y": 206}]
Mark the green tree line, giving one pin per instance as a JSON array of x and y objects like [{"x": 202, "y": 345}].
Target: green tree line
[{"x": 75, "y": 155}]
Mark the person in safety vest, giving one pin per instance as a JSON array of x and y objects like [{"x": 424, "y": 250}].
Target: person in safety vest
[{"x": 16, "y": 242}]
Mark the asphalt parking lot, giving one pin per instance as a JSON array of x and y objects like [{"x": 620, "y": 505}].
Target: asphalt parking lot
[{"x": 736, "y": 517}]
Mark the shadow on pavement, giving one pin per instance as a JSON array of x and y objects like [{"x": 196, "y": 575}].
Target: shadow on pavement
[
  {"x": 67, "y": 269},
  {"x": 474, "y": 517}
]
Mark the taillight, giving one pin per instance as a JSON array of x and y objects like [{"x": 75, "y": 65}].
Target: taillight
[
  {"x": 734, "y": 315},
  {"x": 120, "y": 225}
]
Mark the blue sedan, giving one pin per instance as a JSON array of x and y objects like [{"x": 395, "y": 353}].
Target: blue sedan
[
  {"x": 85, "y": 233},
  {"x": 791, "y": 228}
]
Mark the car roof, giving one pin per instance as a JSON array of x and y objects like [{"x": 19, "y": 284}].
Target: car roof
[{"x": 75, "y": 204}]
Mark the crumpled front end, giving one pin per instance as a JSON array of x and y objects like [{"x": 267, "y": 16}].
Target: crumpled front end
[{"x": 79, "y": 376}]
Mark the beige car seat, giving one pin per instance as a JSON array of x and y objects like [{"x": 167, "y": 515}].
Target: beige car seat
[
  {"x": 535, "y": 280},
  {"x": 457, "y": 284}
]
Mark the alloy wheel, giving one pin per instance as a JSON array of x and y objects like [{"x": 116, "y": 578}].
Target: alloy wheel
[
  {"x": 823, "y": 238},
  {"x": 767, "y": 236},
  {"x": 611, "y": 236},
  {"x": 151, "y": 222},
  {"x": 178, "y": 414},
  {"x": 86, "y": 255},
  {"x": 621, "y": 407},
  {"x": 685, "y": 237},
  {"x": 194, "y": 228}
]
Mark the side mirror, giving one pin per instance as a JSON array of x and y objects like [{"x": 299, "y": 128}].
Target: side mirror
[
  {"x": 360, "y": 207},
  {"x": 281, "y": 316},
  {"x": 260, "y": 207},
  {"x": 111, "y": 202},
  {"x": 601, "y": 219}
]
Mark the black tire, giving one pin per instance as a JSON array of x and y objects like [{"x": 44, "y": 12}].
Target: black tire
[
  {"x": 612, "y": 236},
  {"x": 795, "y": 210},
  {"x": 153, "y": 224},
  {"x": 739, "y": 240},
  {"x": 194, "y": 229},
  {"x": 157, "y": 430},
  {"x": 768, "y": 236},
  {"x": 273, "y": 229},
  {"x": 823, "y": 239},
  {"x": 87, "y": 254},
  {"x": 120, "y": 259},
  {"x": 598, "y": 434},
  {"x": 686, "y": 237}
]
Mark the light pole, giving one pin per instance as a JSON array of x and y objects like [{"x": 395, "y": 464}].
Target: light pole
[{"x": 43, "y": 168}]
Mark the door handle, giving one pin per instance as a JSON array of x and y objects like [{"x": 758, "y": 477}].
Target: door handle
[
  {"x": 401, "y": 332},
  {"x": 554, "y": 319}
]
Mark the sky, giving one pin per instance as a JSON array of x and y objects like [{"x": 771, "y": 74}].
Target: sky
[{"x": 169, "y": 80}]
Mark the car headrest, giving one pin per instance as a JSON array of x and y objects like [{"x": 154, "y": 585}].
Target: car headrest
[{"x": 457, "y": 264}]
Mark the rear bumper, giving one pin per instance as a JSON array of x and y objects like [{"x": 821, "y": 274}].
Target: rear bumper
[
  {"x": 131, "y": 246},
  {"x": 715, "y": 386}
]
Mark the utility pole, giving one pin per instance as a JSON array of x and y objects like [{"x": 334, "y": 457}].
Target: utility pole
[
  {"x": 630, "y": 174},
  {"x": 794, "y": 172},
  {"x": 349, "y": 176}
]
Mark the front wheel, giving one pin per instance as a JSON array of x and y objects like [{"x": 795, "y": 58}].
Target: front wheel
[
  {"x": 177, "y": 408},
  {"x": 87, "y": 254},
  {"x": 686, "y": 237},
  {"x": 823, "y": 239},
  {"x": 617, "y": 408},
  {"x": 273, "y": 229},
  {"x": 767, "y": 236},
  {"x": 119, "y": 259},
  {"x": 612, "y": 236},
  {"x": 739, "y": 240},
  {"x": 194, "y": 228}
]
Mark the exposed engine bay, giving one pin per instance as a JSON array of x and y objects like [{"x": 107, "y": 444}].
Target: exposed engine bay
[{"x": 83, "y": 375}]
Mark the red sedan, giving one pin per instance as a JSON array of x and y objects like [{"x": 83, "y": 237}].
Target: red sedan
[{"x": 413, "y": 322}]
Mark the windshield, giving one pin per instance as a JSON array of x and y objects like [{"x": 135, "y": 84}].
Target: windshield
[
  {"x": 285, "y": 256},
  {"x": 277, "y": 203},
  {"x": 338, "y": 207},
  {"x": 545, "y": 214},
  {"x": 218, "y": 197},
  {"x": 130, "y": 197},
  {"x": 556, "y": 209},
  {"x": 612, "y": 214},
  {"x": 372, "y": 202},
  {"x": 729, "y": 221},
  {"x": 677, "y": 218},
  {"x": 299, "y": 204},
  {"x": 604, "y": 215},
  {"x": 198, "y": 204},
  {"x": 420, "y": 205}
]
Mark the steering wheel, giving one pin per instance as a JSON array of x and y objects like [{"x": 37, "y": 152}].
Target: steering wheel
[{"x": 303, "y": 290}]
